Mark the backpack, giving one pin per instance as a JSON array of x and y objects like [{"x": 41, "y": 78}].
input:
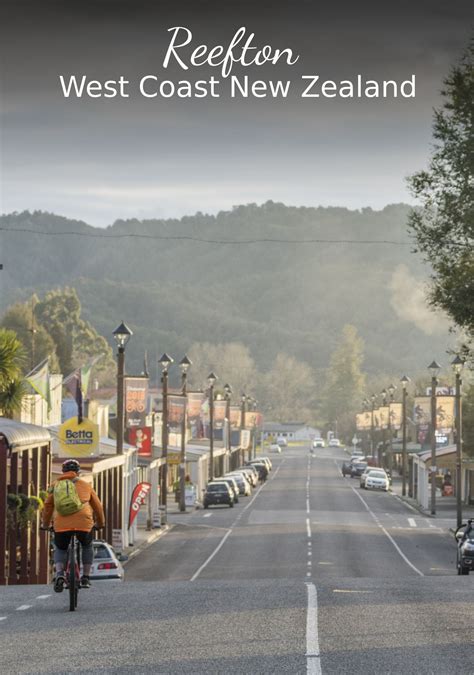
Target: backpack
[{"x": 66, "y": 499}]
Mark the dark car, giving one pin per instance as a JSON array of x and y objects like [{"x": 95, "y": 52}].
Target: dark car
[
  {"x": 262, "y": 471},
  {"x": 346, "y": 469},
  {"x": 358, "y": 468},
  {"x": 465, "y": 552},
  {"x": 233, "y": 486},
  {"x": 218, "y": 493}
]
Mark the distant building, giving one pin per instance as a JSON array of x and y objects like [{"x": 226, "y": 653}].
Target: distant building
[{"x": 292, "y": 431}]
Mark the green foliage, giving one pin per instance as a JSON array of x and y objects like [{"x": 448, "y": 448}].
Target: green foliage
[
  {"x": 289, "y": 388},
  {"x": 231, "y": 362},
  {"x": 444, "y": 226},
  {"x": 345, "y": 381},
  {"x": 11, "y": 396},
  {"x": 12, "y": 358}
]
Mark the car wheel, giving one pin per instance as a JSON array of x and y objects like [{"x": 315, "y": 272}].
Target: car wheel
[
  {"x": 231, "y": 504},
  {"x": 206, "y": 506},
  {"x": 464, "y": 570}
]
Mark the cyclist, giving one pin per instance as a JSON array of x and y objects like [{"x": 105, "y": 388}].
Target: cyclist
[{"x": 81, "y": 522}]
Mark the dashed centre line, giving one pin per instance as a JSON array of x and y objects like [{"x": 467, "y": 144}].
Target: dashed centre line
[{"x": 21, "y": 608}]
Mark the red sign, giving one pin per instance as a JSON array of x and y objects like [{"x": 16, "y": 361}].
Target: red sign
[
  {"x": 135, "y": 397},
  {"x": 141, "y": 439},
  {"x": 138, "y": 498}
]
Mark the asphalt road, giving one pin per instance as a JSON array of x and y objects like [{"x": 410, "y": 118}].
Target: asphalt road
[{"x": 308, "y": 575}]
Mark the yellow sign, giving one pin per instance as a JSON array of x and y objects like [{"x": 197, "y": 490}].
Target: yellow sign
[{"x": 78, "y": 440}]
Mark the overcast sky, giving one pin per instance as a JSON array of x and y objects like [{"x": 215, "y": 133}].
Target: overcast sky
[{"x": 99, "y": 160}]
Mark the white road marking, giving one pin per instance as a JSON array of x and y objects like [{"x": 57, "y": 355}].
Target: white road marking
[
  {"x": 396, "y": 546},
  {"x": 21, "y": 608},
  {"x": 325, "y": 563},
  {"x": 313, "y": 656},
  {"x": 307, "y": 506},
  {"x": 430, "y": 524},
  {"x": 308, "y": 528},
  {"x": 206, "y": 515},
  {"x": 221, "y": 543},
  {"x": 344, "y": 590},
  {"x": 42, "y": 597},
  {"x": 308, "y": 574},
  {"x": 412, "y": 522},
  {"x": 2, "y": 618}
]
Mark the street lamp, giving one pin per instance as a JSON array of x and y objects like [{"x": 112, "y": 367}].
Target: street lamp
[
  {"x": 165, "y": 363},
  {"x": 211, "y": 378},
  {"x": 457, "y": 363},
  {"x": 434, "y": 369},
  {"x": 184, "y": 364},
  {"x": 373, "y": 398},
  {"x": 122, "y": 335},
  {"x": 391, "y": 390},
  {"x": 405, "y": 380},
  {"x": 228, "y": 396},
  {"x": 383, "y": 394}
]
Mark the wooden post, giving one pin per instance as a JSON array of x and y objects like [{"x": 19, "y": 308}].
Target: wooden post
[
  {"x": 34, "y": 541},
  {"x": 13, "y": 530},
  {"x": 25, "y": 529},
  {"x": 3, "y": 510}
]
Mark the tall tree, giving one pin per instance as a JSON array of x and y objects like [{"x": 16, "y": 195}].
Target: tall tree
[
  {"x": 231, "y": 362},
  {"x": 444, "y": 226},
  {"x": 288, "y": 389},
  {"x": 12, "y": 357},
  {"x": 345, "y": 381}
]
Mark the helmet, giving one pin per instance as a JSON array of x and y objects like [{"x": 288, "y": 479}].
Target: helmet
[{"x": 71, "y": 465}]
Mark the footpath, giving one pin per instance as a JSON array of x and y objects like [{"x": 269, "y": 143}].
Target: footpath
[{"x": 445, "y": 506}]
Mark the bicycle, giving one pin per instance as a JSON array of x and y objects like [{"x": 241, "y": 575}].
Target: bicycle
[{"x": 73, "y": 571}]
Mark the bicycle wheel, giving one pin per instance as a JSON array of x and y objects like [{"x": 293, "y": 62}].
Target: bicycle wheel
[{"x": 72, "y": 580}]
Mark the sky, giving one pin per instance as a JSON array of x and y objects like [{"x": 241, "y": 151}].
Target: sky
[{"x": 102, "y": 159}]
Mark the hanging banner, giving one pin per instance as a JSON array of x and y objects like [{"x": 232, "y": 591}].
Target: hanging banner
[
  {"x": 245, "y": 439},
  {"x": 139, "y": 494},
  {"x": 176, "y": 412},
  {"x": 141, "y": 438},
  {"x": 422, "y": 410},
  {"x": 220, "y": 407},
  {"x": 361, "y": 421},
  {"x": 235, "y": 416},
  {"x": 376, "y": 419},
  {"x": 384, "y": 412},
  {"x": 445, "y": 414},
  {"x": 395, "y": 416},
  {"x": 194, "y": 403},
  {"x": 78, "y": 440},
  {"x": 252, "y": 419},
  {"x": 135, "y": 401}
]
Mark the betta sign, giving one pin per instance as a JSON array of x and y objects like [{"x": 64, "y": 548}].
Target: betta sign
[{"x": 138, "y": 497}]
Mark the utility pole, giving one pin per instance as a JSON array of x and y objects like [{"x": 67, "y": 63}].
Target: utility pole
[
  {"x": 457, "y": 365},
  {"x": 211, "y": 378},
  {"x": 434, "y": 368},
  {"x": 405, "y": 380},
  {"x": 184, "y": 365},
  {"x": 165, "y": 362}
]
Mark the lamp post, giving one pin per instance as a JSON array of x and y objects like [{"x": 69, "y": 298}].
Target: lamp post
[
  {"x": 254, "y": 443},
  {"x": 383, "y": 393},
  {"x": 211, "y": 378},
  {"x": 391, "y": 390},
  {"x": 122, "y": 335},
  {"x": 228, "y": 396},
  {"x": 184, "y": 365},
  {"x": 405, "y": 380},
  {"x": 457, "y": 364},
  {"x": 242, "y": 417},
  {"x": 372, "y": 426},
  {"x": 434, "y": 369},
  {"x": 165, "y": 363}
]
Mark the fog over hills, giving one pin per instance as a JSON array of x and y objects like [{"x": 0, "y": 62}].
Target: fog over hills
[{"x": 274, "y": 294}]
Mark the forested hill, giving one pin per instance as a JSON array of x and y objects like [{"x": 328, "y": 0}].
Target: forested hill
[{"x": 174, "y": 290}]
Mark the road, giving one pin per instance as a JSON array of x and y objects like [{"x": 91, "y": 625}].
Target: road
[{"x": 308, "y": 575}]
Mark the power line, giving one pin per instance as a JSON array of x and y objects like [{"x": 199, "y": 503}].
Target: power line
[{"x": 203, "y": 240}]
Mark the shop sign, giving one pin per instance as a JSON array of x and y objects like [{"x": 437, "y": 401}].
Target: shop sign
[{"x": 78, "y": 439}]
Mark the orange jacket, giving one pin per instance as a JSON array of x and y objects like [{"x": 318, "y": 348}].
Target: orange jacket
[{"x": 82, "y": 520}]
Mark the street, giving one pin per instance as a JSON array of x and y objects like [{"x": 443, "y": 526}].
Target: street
[{"x": 310, "y": 574}]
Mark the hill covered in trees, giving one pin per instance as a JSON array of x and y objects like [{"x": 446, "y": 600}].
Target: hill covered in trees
[{"x": 175, "y": 290}]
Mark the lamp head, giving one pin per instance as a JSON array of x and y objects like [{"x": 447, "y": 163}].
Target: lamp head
[
  {"x": 212, "y": 378},
  {"x": 165, "y": 361},
  {"x": 122, "y": 335},
  {"x": 434, "y": 368},
  {"x": 457, "y": 364},
  {"x": 391, "y": 389},
  {"x": 185, "y": 363},
  {"x": 405, "y": 381}
]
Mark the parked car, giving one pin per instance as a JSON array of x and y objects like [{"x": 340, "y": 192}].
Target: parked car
[
  {"x": 105, "y": 564},
  {"x": 233, "y": 484},
  {"x": 262, "y": 470},
  {"x": 376, "y": 479},
  {"x": 274, "y": 447},
  {"x": 318, "y": 443},
  {"x": 268, "y": 461},
  {"x": 464, "y": 536},
  {"x": 357, "y": 468},
  {"x": 251, "y": 473},
  {"x": 334, "y": 443},
  {"x": 243, "y": 483},
  {"x": 346, "y": 469},
  {"x": 259, "y": 460},
  {"x": 282, "y": 442},
  {"x": 218, "y": 492},
  {"x": 357, "y": 455}
]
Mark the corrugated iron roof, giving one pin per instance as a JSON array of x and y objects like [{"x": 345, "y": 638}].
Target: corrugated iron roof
[{"x": 19, "y": 434}]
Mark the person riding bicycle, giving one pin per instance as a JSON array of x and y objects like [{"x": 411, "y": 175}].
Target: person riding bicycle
[{"x": 84, "y": 506}]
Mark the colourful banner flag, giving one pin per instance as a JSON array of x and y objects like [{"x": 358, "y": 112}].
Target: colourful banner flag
[
  {"x": 395, "y": 416},
  {"x": 39, "y": 380}
]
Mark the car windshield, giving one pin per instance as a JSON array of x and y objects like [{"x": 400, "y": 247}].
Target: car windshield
[
  {"x": 217, "y": 488},
  {"x": 101, "y": 552},
  {"x": 377, "y": 474}
]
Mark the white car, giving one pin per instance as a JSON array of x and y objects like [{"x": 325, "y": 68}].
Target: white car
[
  {"x": 246, "y": 481},
  {"x": 334, "y": 443},
  {"x": 106, "y": 564},
  {"x": 376, "y": 479},
  {"x": 282, "y": 442},
  {"x": 318, "y": 443},
  {"x": 275, "y": 447}
]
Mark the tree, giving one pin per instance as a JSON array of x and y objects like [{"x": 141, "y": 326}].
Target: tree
[
  {"x": 12, "y": 357},
  {"x": 38, "y": 344},
  {"x": 444, "y": 226},
  {"x": 231, "y": 362},
  {"x": 345, "y": 381},
  {"x": 288, "y": 390}
]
